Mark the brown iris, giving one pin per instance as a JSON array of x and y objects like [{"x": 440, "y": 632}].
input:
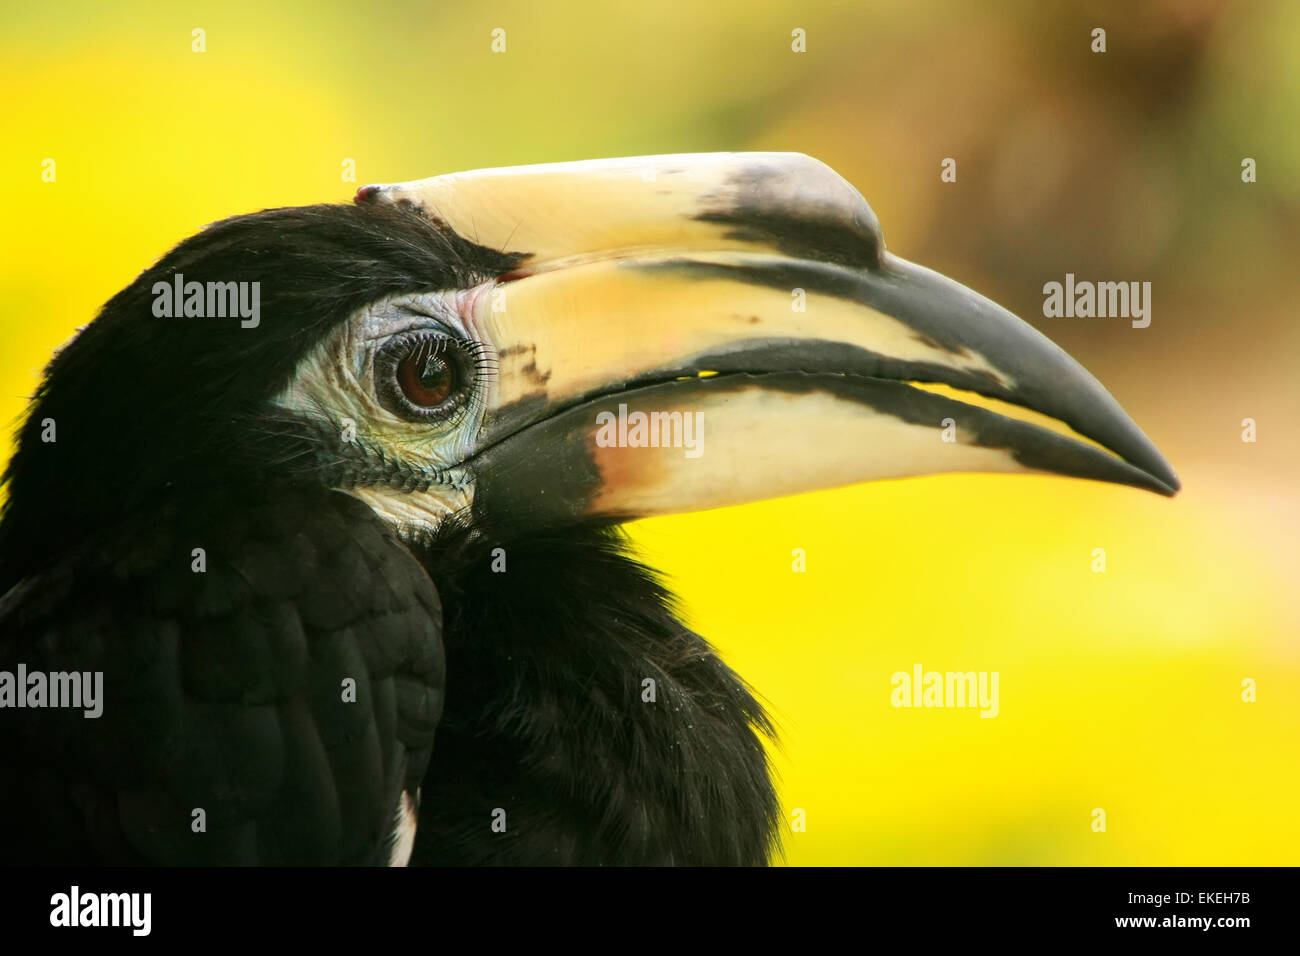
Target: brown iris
[
  {"x": 426, "y": 378},
  {"x": 424, "y": 375}
]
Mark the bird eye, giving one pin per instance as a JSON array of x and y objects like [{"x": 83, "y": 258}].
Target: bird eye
[
  {"x": 426, "y": 379},
  {"x": 422, "y": 375}
]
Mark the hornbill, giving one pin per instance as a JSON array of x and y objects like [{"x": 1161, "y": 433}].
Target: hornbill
[{"x": 274, "y": 539}]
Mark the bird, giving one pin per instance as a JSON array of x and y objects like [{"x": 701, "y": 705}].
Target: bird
[{"x": 344, "y": 546}]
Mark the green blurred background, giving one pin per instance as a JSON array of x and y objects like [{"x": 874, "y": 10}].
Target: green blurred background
[{"x": 1119, "y": 690}]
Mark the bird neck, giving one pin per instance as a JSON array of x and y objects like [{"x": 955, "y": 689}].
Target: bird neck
[{"x": 584, "y": 723}]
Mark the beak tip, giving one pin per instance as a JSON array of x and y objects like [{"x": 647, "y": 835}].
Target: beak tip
[
  {"x": 1161, "y": 478},
  {"x": 1161, "y": 473}
]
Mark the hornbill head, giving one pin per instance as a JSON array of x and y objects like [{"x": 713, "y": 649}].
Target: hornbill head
[{"x": 569, "y": 343}]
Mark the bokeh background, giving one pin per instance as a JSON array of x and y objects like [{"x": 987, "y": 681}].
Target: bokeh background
[{"x": 1119, "y": 690}]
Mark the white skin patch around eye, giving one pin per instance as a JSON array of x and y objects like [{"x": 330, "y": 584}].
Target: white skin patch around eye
[
  {"x": 414, "y": 514},
  {"x": 335, "y": 383}
]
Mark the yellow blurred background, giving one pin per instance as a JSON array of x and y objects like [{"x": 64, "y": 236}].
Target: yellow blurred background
[{"x": 1120, "y": 690}]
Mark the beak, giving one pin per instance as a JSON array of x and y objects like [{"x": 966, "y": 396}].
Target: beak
[{"x": 687, "y": 332}]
